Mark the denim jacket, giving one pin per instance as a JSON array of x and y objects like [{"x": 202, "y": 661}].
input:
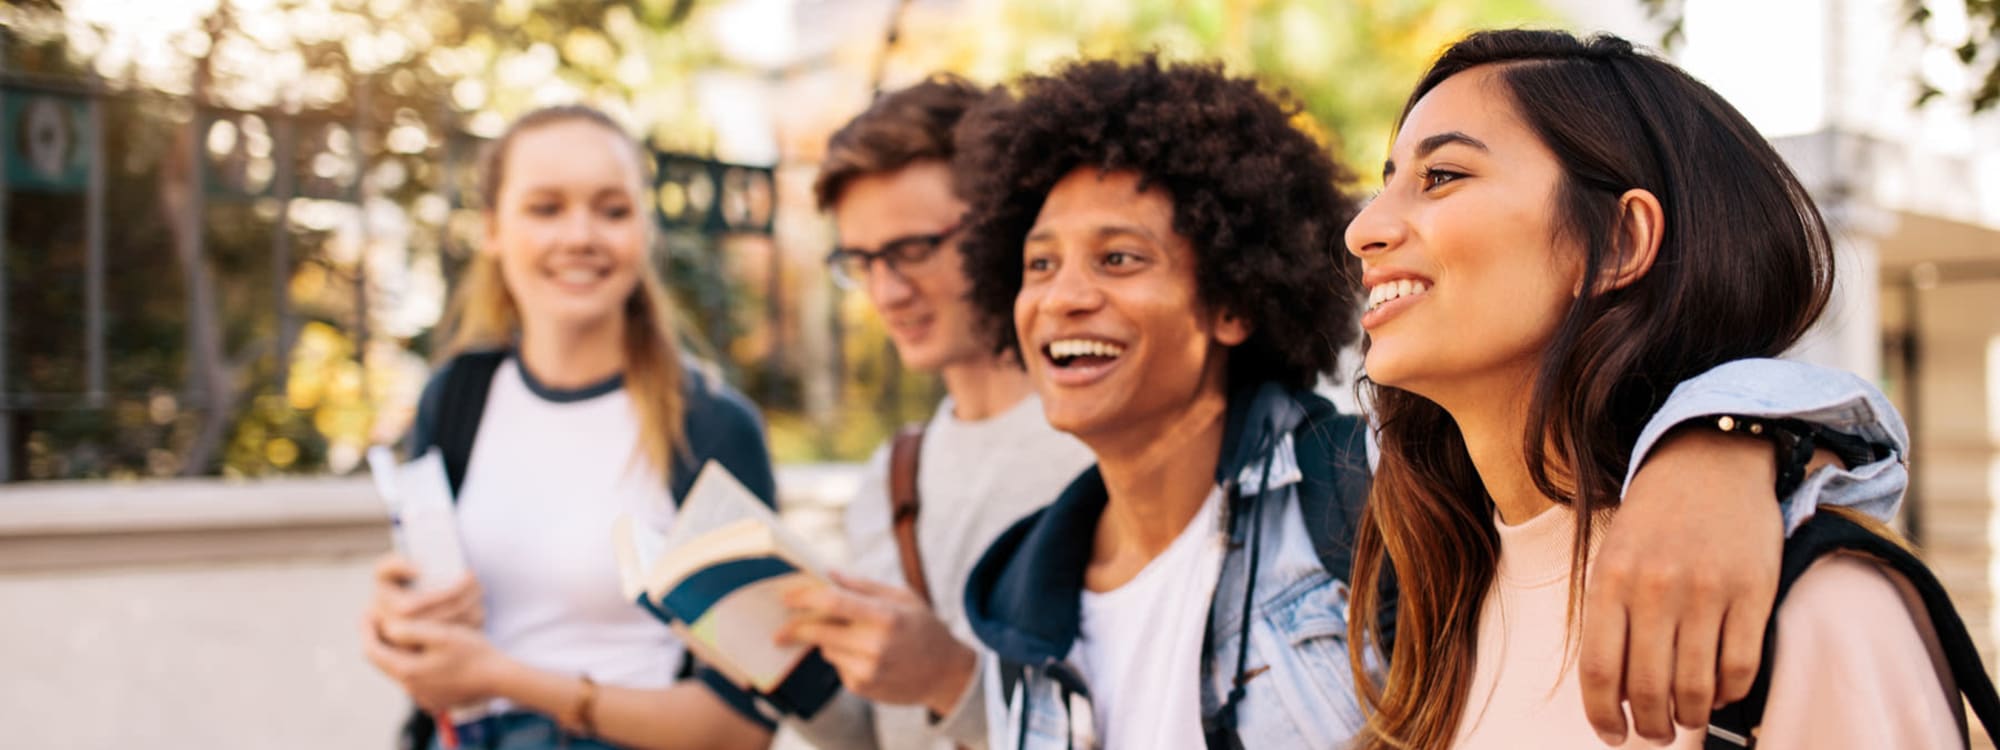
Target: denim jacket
[{"x": 1024, "y": 596}]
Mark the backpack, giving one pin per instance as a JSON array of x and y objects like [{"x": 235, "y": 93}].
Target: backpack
[
  {"x": 1735, "y": 725},
  {"x": 1332, "y": 495},
  {"x": 461, "y": 405}
]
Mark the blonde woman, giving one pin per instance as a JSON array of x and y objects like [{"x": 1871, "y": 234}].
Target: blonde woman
[{"x": 563, "y": 402}]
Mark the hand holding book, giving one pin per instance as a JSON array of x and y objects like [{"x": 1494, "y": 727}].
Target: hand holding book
[
  {"x": 887, "y": 644},
  {"x": 718, "y": 577}
]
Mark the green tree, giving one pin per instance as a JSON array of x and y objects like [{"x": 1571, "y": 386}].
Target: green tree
[
  {"x": 1349, "y": 64},
  {"x": 196, "y": 346}
]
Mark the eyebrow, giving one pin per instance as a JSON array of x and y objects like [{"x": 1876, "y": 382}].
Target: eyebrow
[
  {"x": 595, "y": 194},
  {"x": 1431, "y": 144},
  {"x": 896, "y": 239},
  {"x": 1103, "y": 233}
]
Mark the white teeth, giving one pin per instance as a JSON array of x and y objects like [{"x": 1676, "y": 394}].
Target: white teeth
[
  {"x": 1063, "y": 348},
  {"x": 576, "y": 276},
  {"x": 1390, "y": 290}
]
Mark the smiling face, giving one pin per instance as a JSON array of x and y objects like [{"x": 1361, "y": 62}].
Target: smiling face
[
  {"x": 1466, "y": 276},
  {"x": 1112, "y": 330},
  {"x": 566, "y": 225},
  {"x": 923, "y": 304}
]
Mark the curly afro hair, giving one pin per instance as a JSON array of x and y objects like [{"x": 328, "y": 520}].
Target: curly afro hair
[{"x": 1259, "y": 200}]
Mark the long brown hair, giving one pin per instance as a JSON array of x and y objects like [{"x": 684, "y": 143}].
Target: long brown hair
[
  {"x": 1744, "y": 267},
  {"x": 483, "y": 315}
]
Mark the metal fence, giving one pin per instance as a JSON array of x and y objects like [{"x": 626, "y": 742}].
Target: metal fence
[{"x": 53, "y": 143}]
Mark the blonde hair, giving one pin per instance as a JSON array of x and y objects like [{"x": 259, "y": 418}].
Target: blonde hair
[{"x": 482, "y": 314}]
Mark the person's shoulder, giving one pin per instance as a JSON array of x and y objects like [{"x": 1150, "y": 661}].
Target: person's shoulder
[
  {"x": 473, "y": 360},
  {"x": 704, "y": 387},
  {"x": 1850, "y": 616},
  {"x": 1849, "y": 605},
  {"x": 1855, "y": 665},
  {"x": 720, "y": 424},
  {"x": 1842, "y": 596},
  {"x": 711, "y": 402},
  {"x": 446, "y": 375}
]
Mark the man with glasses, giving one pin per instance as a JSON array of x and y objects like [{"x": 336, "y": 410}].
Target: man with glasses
[{"x": 896, "y": 630}]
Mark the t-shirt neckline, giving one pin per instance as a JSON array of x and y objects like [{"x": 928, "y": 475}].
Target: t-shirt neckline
[{"x": 566, "y": 395}]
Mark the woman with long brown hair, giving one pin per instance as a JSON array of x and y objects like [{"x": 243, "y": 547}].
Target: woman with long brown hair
[
  {"x": 1567, "y": 229},
  {"x": 564, "y": 403}
]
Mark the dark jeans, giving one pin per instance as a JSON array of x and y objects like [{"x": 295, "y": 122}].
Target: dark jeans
[{"x": 519, "y": 730}]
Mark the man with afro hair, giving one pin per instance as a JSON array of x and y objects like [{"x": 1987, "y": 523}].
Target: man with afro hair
[
  {"x": 1163, "y": 249},
  {"x": 931, "y": 498}
]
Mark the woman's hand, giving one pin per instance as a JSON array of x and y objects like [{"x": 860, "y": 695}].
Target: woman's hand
[
  {"x": 461, "y": 603},
  {"x": 439, "y": 664},
  {"x": 429, "y": 641}
]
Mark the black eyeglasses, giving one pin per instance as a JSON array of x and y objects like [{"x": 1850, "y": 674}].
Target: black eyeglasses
[{"x": 850, "y": 265}]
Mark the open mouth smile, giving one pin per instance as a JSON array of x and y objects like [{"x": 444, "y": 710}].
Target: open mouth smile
[{"x": 1080, "y": 361}]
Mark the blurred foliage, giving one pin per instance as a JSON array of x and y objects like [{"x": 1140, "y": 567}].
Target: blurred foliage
[
  {"x": 421, "y": 81},
  {"x": 1349, "y": 64},
  {"x": 365, "y": 279}
]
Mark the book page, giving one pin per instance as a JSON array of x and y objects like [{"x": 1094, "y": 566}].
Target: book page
[
  {"x": 722, "y": 576},
  {"x": 741, "y": 626},
  {"x": 638, "y": 548},
  {"x": 422, "y": 516},
  {"x": 744, "y": 537},
  {"x": 718, "y": 500}
]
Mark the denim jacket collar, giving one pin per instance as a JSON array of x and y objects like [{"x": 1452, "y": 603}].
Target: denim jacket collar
[{"x": 1024, "y": 596}]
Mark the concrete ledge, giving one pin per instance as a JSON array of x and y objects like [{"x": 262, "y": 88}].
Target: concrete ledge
[
  {"x": 72, "y": 525},
  {"x": 50, "y": 526}
]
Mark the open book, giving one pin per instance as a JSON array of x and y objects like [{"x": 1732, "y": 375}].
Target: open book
[{"x": 718, "y": 577}]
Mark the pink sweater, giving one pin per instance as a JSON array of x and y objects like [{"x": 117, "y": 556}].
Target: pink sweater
[{"x": 1851, "y": 669}]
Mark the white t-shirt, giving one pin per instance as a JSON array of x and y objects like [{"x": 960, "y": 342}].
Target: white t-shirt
[
  {"x": 975, "y": 478},
  {"x": 1139, "y": 645},
  {"x": 549, "y": 472}
]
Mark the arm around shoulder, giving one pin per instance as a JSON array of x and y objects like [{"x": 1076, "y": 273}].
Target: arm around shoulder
[{"x": 1834, "y": 400}]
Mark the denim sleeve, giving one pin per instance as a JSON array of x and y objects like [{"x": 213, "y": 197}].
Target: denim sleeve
[{"x": 1833, "y": 399}]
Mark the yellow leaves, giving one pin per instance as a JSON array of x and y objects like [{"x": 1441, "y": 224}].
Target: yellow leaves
[
  {"x": 588, "y": 48},
  {"x": 281, "y": 452},
  {"x": 317, "y": 358},
  {"x": 513, "y": 12},
  {"x": 1310, "y": 125}
]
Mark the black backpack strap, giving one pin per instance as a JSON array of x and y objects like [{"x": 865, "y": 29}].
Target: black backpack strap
[
  {"x": 1333, "y": 452},
  {"x": 461, "y": 404},
  {"x": 1333, "y": 517},
  {"x": 1735, "y": 725}
]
